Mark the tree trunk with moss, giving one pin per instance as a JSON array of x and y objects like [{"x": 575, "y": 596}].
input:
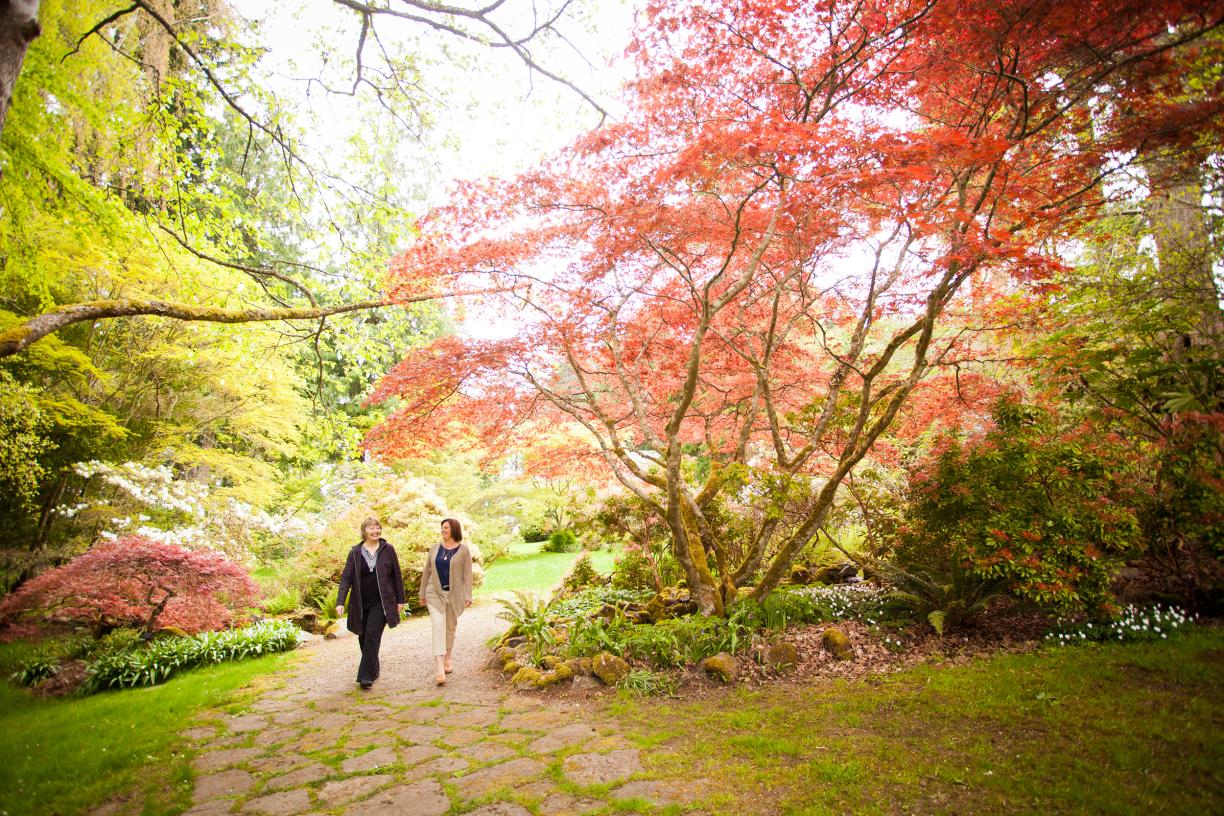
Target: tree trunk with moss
[{"x": 18, "y": 28}]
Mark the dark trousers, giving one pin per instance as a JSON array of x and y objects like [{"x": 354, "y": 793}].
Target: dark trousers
[{"x": 372, "y": 624}]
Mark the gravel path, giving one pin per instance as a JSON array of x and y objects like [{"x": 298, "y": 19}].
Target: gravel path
[{"x": 316, "y": 743}]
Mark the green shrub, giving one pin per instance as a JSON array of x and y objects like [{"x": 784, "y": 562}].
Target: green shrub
[
  {"x": 667, "y": 644},
  {"x": 632, "y": 570},
  {"x": 1033, "y": 504},
  {"x": 581, "y": 576},
  {"x": 590, "y": 636},
  {"x": 816, "y": 604},
  {"x": 283, "y": 602},
  {"x": 43, "y": 660},
  {"x": 561, "y": 541},
  {"x": 584, "y": 602},
  {"x": 534, "y": 532},
  {"x": 163, "y": 657}
]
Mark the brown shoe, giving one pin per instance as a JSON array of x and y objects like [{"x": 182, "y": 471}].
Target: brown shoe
[{"x": 440, "y": 679}]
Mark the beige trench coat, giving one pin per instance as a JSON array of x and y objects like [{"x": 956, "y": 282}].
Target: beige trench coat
[{"x": 460, "y": 577}]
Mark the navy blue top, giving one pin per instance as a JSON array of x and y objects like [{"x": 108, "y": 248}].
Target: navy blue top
[{"x": 442, "y": 565}]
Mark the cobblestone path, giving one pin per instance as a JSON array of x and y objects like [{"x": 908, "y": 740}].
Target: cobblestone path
[{"x": 316, "y": 743}]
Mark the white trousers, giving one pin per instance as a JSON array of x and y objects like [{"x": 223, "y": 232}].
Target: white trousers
[{"x": 442, "y": 620}]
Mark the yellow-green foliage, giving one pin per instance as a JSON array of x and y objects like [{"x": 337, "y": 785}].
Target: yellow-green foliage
[
  {"x": 93, "y": 162},
  {"x": 410, "y": 511}
]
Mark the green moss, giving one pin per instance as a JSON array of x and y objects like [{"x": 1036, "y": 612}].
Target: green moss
[{"x": 837, "y": 644}]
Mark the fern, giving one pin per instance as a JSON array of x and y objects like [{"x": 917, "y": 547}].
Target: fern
[{"x": 944, "y": 600}]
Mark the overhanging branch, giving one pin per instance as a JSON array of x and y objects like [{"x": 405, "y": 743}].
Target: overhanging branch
[{"x": 39, "y": 326}]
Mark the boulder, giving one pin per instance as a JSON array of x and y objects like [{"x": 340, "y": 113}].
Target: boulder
[
  {"x": 583, "y": 683},
  {"x": 334, "y": 630},
  {"x": 511, "y": 666},
  {"x": 550, "y": 662},
  {"x": 560, "y": 674},
  {"x": 527, "y": 678},
  {"x": 656, "y": 609},
  {"x": 516, "y": 640},
  {"x": 782, "y": 656},
  {"x": 844, "y": 573},
  {"x": 505, "y": 653},
  {"x": 307, "y": 620},
  {"x": 721, "y": 666},
  {"x": 577, "y": 667},
  {"x": 837, "y": 644},
  {"x": 609, "y": 668},
  {"x": 801, "y": 575}
]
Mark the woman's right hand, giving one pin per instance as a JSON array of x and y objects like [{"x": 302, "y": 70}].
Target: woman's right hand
[{"x": 339, "y": 611}]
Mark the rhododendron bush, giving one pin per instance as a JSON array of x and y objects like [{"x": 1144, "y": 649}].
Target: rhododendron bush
[
  {"x": 737, "y": 288},
  {"x": 134, "y": 581},
  {"x": 1042, "y": 507}
]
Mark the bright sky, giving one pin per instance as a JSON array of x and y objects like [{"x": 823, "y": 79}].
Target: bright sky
[{"x": 492, "y": 115}]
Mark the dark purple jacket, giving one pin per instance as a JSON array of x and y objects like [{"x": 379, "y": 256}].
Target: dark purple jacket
[{"x": 390, "y": 585}]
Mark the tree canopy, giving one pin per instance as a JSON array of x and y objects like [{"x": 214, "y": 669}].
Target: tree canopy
[{"x": 739, "y": 288}]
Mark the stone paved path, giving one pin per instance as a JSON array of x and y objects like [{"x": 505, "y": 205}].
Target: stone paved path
[{"x": 318, "y": 744}]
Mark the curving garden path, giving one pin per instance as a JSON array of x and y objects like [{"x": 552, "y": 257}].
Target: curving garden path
[{"x": 314, "y": 743}]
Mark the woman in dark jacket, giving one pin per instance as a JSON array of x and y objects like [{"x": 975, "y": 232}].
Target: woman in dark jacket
[{"x": 372, "y": 571}]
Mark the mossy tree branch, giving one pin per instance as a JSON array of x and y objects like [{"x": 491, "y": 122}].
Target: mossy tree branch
[{"x": 39, "y": 326}]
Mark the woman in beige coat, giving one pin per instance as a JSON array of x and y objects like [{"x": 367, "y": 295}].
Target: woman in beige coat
[{"x": 446, "y": 590}]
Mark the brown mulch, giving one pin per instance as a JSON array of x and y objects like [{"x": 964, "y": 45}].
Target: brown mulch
[
  {"x": 872, "y": 655},
  {"x": 67, "y": 679}
]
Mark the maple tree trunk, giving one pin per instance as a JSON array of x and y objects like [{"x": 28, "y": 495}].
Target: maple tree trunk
[
  {"x": 161, "y": 606},
  {"x": 18, "y": 28}
]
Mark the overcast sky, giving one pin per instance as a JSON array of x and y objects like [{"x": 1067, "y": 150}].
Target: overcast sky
[{"x": 493, "y": 116}]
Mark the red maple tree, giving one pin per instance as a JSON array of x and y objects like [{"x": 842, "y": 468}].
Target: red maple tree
[
  {"x": 134, "y": 581},
  {"x": 737, "y": 289}
]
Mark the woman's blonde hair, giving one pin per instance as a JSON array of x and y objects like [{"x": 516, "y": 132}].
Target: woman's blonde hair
[{"x": 365, "y": 525}]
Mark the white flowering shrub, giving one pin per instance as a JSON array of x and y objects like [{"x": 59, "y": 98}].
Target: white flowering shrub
[
  {"x": 1134, "y": 623},
  {"x": 152, "y": 501}
]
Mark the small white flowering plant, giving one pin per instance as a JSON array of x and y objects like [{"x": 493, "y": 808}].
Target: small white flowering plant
[{"x": 1133, "y": 623}]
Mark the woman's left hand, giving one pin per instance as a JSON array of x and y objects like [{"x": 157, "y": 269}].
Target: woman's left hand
[
  {"x": 466, "y": 604},
  {"x": 399, "y": 610}
]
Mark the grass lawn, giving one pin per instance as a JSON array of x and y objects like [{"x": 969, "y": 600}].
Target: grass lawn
[
  {"x": 529, "y": 570},
  {"x": 66, "y": 756},
  {"x": 1088, "y": 729}
]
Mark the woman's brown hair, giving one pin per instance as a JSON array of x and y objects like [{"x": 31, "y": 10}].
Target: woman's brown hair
[{"x": 456, "y": 528}]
